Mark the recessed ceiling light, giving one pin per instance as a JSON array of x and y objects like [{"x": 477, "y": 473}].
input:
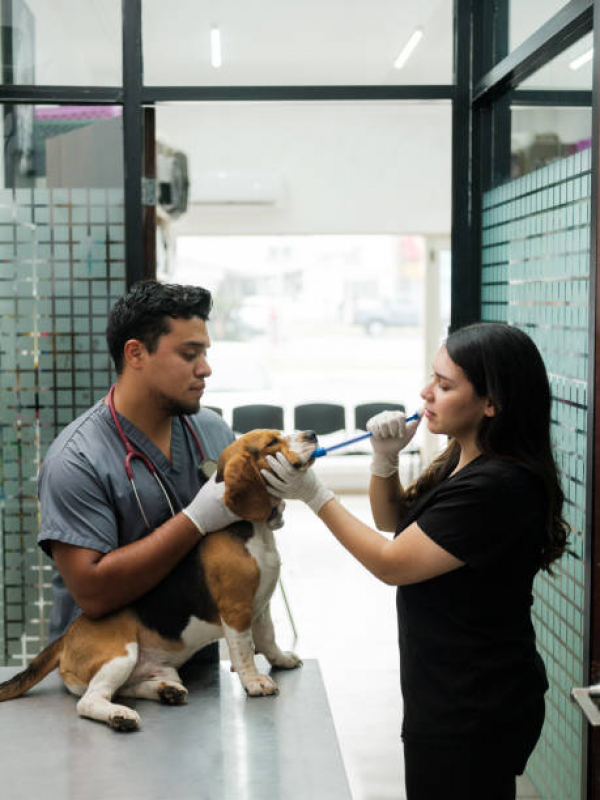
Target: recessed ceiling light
[
  {"x": 413, "y": 41},
  {"x": 582, "y": 59},
  {"x": 215, "y": 47}
]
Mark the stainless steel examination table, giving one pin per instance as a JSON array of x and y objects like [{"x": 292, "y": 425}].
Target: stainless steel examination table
[{"x": 220, "y": 746}]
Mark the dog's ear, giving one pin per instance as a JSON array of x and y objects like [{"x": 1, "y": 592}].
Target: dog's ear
[{"x": 245, "y": 491}]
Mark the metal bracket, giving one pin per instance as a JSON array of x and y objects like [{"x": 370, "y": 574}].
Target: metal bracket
[
  {"x": 588, "y": 699},
  {"x": 149, "y": 192}
]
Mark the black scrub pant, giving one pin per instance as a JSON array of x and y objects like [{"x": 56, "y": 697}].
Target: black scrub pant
[{"x": 473, "y": 769}]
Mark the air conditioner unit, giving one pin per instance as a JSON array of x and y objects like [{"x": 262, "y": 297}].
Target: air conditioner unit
[{"x": 236, "y": 187}]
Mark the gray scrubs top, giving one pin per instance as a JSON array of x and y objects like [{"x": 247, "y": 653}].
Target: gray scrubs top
[{"x": 87, "y": 500}]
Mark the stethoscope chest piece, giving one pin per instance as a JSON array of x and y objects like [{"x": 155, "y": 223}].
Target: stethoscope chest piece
[{"x": 208, "y": 468}]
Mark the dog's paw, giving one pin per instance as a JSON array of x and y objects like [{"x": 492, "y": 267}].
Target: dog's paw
[
  {"x": 124, "y": 719},
  {"x": 287, "y": 660},
  {"x": 261, "y": 686},
  {"x": 172, "y": 694}
]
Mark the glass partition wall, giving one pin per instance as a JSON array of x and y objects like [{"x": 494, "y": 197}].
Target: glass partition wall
[
  {"x": 92, "y": 190},
  {"x": 533, "y": 235}
]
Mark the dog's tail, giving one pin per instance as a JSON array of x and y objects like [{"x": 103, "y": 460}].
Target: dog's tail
[{"x": 41, "y": 665}]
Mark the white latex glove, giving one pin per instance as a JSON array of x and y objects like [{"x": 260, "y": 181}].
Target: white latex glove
[
  {"x": 276, "y": 521},
  {"x": 391, "y": 433},
  {"x": 207, "y": 510},
  {"x": 284, "y": 481}
]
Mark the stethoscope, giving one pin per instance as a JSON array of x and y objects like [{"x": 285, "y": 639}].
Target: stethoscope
[{"x": 207, "y": 467}]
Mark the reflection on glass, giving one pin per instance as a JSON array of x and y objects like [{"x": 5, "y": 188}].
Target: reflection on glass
[
  {"x": 74, "y": 42},
  {"x": 62, "y": 146},
  {"x": 526, "y": 16},
  {"x": 543, "y": 134},
  {"x": 283, "y": 42},
  {"x": 570, "y": 70}
]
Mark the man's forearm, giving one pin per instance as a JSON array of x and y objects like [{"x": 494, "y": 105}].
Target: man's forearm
[{"x": 101, "y": 583}]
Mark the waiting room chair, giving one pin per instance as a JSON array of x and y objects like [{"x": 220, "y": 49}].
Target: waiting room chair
[
  {"x": 364, "y": 412},
  {"x": 259, "y": 415},
  {"x": 216, "y": 409},
  {"x": 322, "y": 418}
]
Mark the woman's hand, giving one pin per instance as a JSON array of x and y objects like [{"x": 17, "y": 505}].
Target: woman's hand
[
  {"x": 286, "y": 482},
  {"x": 391, "y": 434}
]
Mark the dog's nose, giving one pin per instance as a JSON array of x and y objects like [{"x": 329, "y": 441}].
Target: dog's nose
[{"x": 310, "y": 436}]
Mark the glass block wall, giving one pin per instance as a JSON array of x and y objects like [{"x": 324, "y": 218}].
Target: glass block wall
[
  {"x": 62, "y": 265},
  {"x": 535, "y": 268}
]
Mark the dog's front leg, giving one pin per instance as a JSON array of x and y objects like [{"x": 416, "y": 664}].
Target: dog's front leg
[
  {"x": 264, "y": 639},
  {"x": 241, "y": 650}
]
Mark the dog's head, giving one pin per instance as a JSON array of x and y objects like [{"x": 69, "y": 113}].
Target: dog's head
[{"x": 240, "y": 463}]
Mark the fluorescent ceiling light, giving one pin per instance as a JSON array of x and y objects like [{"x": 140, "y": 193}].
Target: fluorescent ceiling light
[
  {"x": 413, "y": 41},
  {"x": 215, "y": 47},
  {"x": 582, "y": 59}
]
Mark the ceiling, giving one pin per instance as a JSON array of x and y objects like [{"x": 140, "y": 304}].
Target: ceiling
[{"x": 268, "y": 42}]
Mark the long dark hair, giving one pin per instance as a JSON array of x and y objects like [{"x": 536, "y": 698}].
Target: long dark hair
[{"x": 503, "y": 364}]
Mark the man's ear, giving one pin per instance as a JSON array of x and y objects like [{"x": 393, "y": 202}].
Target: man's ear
[{"x": 134, "y": 352}]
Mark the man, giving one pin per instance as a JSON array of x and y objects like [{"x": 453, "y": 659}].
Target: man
[{"x": 113, "y": 539}]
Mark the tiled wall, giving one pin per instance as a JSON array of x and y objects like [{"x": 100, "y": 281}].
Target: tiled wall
[
  {"x": 536, "y": 240},
  {"x": 62, "y": 265}
]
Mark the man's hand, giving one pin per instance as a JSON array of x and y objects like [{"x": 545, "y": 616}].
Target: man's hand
[
  {"x": 284, "y": 481},
  {"x": 391, "y": 434},
  {"x": 207, "y": 510}
]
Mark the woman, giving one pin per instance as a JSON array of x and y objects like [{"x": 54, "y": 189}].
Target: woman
[{"x": 471, "y": 533}]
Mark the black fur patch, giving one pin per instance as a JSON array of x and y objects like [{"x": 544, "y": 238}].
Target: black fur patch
[{"x": 168, "y": 607}]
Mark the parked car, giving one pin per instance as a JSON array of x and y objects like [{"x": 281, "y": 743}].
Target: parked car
[{"x": 378, "y": 314}]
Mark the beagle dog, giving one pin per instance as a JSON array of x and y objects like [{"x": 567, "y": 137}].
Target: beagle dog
[{"x": 222, "y": 588}]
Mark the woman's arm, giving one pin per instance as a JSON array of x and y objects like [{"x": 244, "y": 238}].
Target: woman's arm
[
  {"x": 409, "y": 558},
  {"x": 386, "y": 496}
]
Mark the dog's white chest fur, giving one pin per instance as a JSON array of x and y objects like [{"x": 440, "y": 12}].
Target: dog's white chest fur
[
  {"x": 262, "y": 548},
  {"x": 198, "y": 633}
]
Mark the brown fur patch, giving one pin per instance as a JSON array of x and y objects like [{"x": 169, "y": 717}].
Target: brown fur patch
[
  {"x": 233, "y": 576},
  {"x": 89, "y": 644},
  {"x": 239, "y": 466}
]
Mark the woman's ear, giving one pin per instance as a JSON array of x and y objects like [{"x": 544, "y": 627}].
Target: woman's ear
[{"x": 489, "y": 409}]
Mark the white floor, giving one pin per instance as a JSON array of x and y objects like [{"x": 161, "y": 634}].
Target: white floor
[{"x": 346, "y": 620}]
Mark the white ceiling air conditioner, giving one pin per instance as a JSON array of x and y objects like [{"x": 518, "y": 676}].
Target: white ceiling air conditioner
[{"x": 236, "y": 187}]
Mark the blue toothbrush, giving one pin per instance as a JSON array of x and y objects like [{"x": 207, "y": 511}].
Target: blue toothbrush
[{"x": 322, "y": 451}]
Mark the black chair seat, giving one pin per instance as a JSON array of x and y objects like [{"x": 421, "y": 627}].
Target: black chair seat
[
  {"x": 259, "y": 415},
  {"x": 322, "y": 418},
  {"x": 364, "y": 412}
]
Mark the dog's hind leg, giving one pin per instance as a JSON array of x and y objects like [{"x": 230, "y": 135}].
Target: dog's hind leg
[
  {"x": 164, "y": 685},
  {"x": 263, "y": 633},
  {"x": 241, "y": 650},
  {"x": 96, "y": 702}
]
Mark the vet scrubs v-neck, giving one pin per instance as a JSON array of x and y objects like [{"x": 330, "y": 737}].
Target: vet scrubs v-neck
[{"x": 86, "y": 498}]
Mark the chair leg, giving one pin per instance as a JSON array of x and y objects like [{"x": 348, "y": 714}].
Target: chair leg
[{"x": 289, "y": 611}]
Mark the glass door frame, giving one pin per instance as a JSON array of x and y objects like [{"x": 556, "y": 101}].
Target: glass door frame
[{"x": 488, "y": 83}]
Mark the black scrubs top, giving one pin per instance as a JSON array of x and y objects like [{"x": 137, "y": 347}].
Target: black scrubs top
[{"x": 468, "y": 658}]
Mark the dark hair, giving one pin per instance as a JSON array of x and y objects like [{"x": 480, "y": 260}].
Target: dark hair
[
  {"x": 504, "y": 365},
  {"x": 143, "y": 313}
]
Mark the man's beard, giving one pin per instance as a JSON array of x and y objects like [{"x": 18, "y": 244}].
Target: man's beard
[{"x": 175, "y": 408}]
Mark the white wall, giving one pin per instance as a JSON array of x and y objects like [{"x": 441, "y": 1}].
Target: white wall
[{"x": 344, "y": 167}]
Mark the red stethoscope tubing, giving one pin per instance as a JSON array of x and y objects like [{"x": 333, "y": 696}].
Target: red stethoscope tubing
[{"x": 132, "y": 454}]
